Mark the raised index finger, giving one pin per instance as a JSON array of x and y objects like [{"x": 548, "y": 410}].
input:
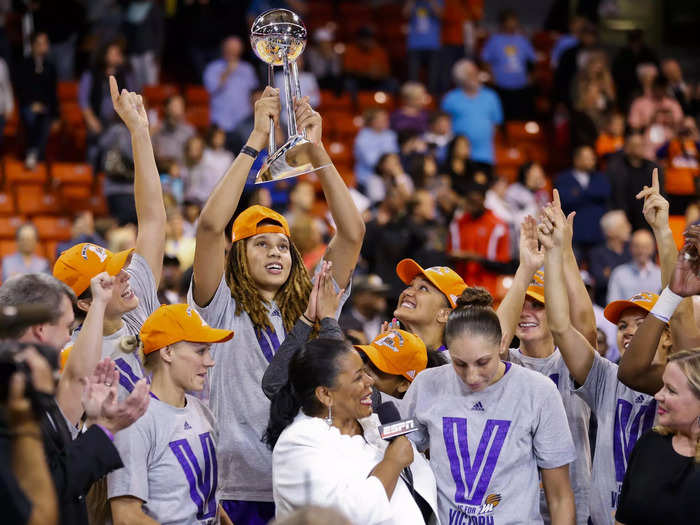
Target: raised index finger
[
  {"x": 555, "y": 199},
  {"x": 655, "y": 179},
  {"x": 113, "y": 89}
]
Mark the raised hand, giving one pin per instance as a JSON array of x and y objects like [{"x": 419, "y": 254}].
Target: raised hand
[
  {"x": 129, "y": 106},
  {"x": 117, "y": 416},
  {"x": 97, "y": 388},
  {"x": 692, "y": 238},
  {"x": 328, "y": 300},
  {"x": 531, "y": 254},
  {"x": 655, "y": 206},
  {"x": 267, "y": 107},
  {"x": 554, "y": 223},
  {"x": 308, "y": 120},
  {"x": 101, "y": 287},
  {"x": 310, "y": 312},
  {"x": 685, "y": 280}
]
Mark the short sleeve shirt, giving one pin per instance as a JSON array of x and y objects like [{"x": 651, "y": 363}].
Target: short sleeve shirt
[
  {"x": 170, "y": 463},
  {"x": 486, "y": 447}
]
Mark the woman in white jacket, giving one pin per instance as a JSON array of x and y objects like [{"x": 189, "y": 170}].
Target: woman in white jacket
[{"x": 327, "y": 450}]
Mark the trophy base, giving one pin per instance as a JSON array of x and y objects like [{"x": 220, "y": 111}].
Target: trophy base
[{"x": 290, "y": 160}]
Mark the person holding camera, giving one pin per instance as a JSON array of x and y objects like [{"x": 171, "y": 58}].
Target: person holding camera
[{"x": 27, "y": 494}]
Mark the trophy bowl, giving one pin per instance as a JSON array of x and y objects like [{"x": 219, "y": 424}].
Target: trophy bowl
[{"x": 278, "y": 33}]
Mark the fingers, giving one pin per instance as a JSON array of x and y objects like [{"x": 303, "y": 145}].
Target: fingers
[
  {"x": 385, "y": 327},
  {"x": 269, "y": 91},
  {"x": 570, "y": 219},
  {"x": 113, "y": 89},
  {"x": 556, "y": 201},
  {"x": 655, "y": 179}
]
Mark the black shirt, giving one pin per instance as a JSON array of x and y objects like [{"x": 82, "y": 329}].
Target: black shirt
[
  {"x": 660, "y": 486},
  {"x": 626, "y": 181}
]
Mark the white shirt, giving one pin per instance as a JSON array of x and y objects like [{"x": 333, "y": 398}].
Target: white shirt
[
  {"x": 582, "y": 178},
  {"x": 315, "y": 464}
]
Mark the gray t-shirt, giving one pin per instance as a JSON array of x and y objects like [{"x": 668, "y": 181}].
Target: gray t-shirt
[
  {"x": 170, "y": 463},
  {"x": 236, "y": 397},
  {"x": 578, "y": 414},
  {"x": 486, "y": 447},
  {"x": 623, "y": 416},
  {"x": 144, "y": 285}
]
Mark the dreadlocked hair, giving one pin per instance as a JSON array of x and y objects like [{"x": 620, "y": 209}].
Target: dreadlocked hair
[{"x": 291, "y": 298}]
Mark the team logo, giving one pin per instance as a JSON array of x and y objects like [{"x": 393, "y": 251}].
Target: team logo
[
  {"x": 440, "y": 270},
  {"x": 192, "y": 313},
  {"x": 97, "y": 250},
  {"x": 644, "y": 297},
  {"x": 411, "y": 374},
  {"x": 392, "y": 340}
]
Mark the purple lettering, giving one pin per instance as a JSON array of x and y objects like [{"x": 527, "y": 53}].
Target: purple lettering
[
  {"x": 626, "y": 433},
  {"x": 202, "y": 485},
  {"x": 470, "y": 488},
  {"x": 127, "y": 378}
]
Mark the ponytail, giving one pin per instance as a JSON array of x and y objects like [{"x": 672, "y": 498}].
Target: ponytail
[
  {"x": 314, "y": 365},
  {"x": 474, "y": 315}
]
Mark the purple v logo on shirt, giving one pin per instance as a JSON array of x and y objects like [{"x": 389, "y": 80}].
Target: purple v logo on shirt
[
  {"x": 623, "y": 441},
  {"x": 202, "y": 484},
  {"x": 472, "y": 477}
]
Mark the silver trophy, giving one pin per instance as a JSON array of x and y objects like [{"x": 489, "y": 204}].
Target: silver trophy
[{"x": 278, "y": 37}]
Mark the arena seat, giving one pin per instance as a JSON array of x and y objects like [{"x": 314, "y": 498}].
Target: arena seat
[
  {"x": 34, "y": 200},
  {"x": 71, "y": 173},
  {"x": 52, "y": 228},
  {"x": 9, "y": 225},
  {"x": 7, "y": 204},
  {"x": 67, "y": 91},
  {"x": 16, "y": 173}
]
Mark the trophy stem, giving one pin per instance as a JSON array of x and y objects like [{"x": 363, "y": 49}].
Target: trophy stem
[
  {"x": 271, "y": 82},
  {"x": 291, "y": 117},
  {"x": 297, "y": 87}
]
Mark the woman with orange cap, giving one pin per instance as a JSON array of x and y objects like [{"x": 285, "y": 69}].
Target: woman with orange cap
[
  {"x": 169, "y": 454},
  {"x": 260, "y": 290}
]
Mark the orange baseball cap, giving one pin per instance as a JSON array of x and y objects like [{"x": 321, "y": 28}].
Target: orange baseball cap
[
  {"x": 536, "y": 287},
  {"x": 398, "y": 353},
  {"x": 443, "y": 278},
  {"x": 173, "y": 323},
  {"x": 78, "y": 265},
  {"x": 246, "y": 224},
  {"x": 643, "y": 300}
]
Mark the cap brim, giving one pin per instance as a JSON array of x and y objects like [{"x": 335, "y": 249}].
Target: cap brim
[
  {"x": 117, "y": 262},
  {"x": 614, "y": 310},
  {"x": 377, "y": 359},
  {"x": 408, "y": 269},
  {"x": 211, "y": 335},
  {"x": 535, "y": 294}
]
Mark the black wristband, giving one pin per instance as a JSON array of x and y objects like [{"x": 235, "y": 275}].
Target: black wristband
[
  {"x": 250, "y": 151},
  {"x": 311, "y": 322}
]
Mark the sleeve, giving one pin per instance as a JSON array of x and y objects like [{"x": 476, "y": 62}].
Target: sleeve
[
  {"x": 211, "y": 77},
  {"x": 408, "y": 409},
  {"x": 599, "y": 384},
  {"x": 83, "y": 461},
  {"x": 145, "y": 288},
  {"x": 84, "y": 90},
  {"x": 214, "y": 313},
  {"x": 623, "y": 507},
  {"x": 448, "y": 104},
  {"x": 502, "y": 252},
  {"x": 488, "y": 53},
  {"x": 304, "y": 474},
  {"x": 530, "y": 54},
  {"x": 614, "y": 292},
  {"x": 277, "y": 372},
  {"x": 569, "y": 198},
  {"x": 497, "y": 111},
  {"x": 16, "y": 507},
  {"x": 552, "y": 442},
  {"x": 133, "y": 444}
]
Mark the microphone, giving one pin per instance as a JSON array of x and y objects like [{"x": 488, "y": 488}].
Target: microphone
[{"x": 392, "y": 425}]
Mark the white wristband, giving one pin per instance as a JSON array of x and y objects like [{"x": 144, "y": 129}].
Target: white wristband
[{"x": 666, "y": 305}]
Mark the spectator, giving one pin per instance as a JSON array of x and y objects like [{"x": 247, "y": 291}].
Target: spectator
[
  {"x": 363, "y": 318},
  {"x": 170, "y": 281},
  {"x": 216, "y": 157},
  {"x": 612, "y": 139},
  {"x": 458, "y": 18},
  {"x": 626, "y": 63},
  {"x": 595, "y": 72},
  {"x": 511, "y": 57},
  {"x": 198, "y": 181},
  {"x": 478, "y": 240},
  {"x": 7, "y": 99},
  {"x": 439, "y": 135},
  {"x": 82, "y": 230},
  {"x": 475, "y": 110},
  {"x": 628, "y": 173},
  {"x": 586, "y": 117},
  {"x": 236, "y": 139},
  {"x": 681, "y": 158},
  {"x": 145, "y": 34},
  {"x": 566, "y": 41},
  {"x": 641, "y": 273},
  {"x": 614, "y": 252},
  {"x": 62, "y": 22},
  {"x": 230, "y": 81},
  {"x": 301, "y": 199},
  {"x": 307, "y": 236},
  {"x": 324, "y": 61},
  {"x": 682, "y": 92},
  {"x": 585, "y": 191},
  {"x": 159, "y": 455},
  {"x": 190, "y": 215},
  {"x": 38, "y": 103},
  {"x": 374, "y": 140},
  {"x": 366, "y": 64},
  {"x": 114, "y": 148},
  {"x": 646, "y": 107},
  {"x": 26, "y": 259},
  {"x": 528, "y": 194},
  {"x": 390, "y": 177},
  {"x": 177, "y": 244},
  {"x": 411, "y": 116},
  {"x": 423, "y": 39},
  {"x": 94, "y": 98},
  {"x": 429, "y": 228},
  {"x": 171, "y": 135},
  {"x": 570, "y": 61}
]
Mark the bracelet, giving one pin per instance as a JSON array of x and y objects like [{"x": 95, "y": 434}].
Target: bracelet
[
  {"x": 247, "y": 150},
  {"x": 309, "y": 321},
  {"x": 665, "y": 305}
]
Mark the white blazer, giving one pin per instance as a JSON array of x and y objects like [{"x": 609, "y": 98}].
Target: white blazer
[{"x": 313, "y": 463}]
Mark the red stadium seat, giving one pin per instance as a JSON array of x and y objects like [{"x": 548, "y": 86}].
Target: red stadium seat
[
  {"x": 68, "y": 91},
  {"x": 156, "y": 94},
  {"x": 374, "y": 99},
  {"x": 196, "y": 96},
  {"x": 52, "y": 228},
  {"x": 331, "y": 102},
  {"x": 34, "y": 200},
  {"x": 7, "y": 205},
  {"x": 16, "y": 173},
  {"x": 8, "y": 247},
  {"x": 71, "y": 173},
  {"x": 8, "y": 226}
]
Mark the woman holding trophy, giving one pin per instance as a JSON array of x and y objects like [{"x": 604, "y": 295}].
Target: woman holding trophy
[{"x": 261, "y": 288}]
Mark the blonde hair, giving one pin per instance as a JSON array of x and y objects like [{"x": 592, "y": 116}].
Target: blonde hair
[
  {"x": 131, "y": 344},
  {"x": 689, "y": 363}
]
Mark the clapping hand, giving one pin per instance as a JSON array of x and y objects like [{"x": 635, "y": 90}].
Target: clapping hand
[
  {"x": 98, "y": 387},
  {"x": 129, "y": 106},
  {"x": 655, "y": 206},
  {"x": 308, "y": 120},
  {"x": 328, "y": 300},
  {"x": 531, "y": 254},
  {"x": 556, "y": 229},
  {"x": 685, "y": 280}
]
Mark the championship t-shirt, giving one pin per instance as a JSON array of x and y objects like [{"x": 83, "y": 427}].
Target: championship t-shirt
[
  {"x": 237, "y": 399},
  {"x": 170, "y": 463},
  {"x": 486, "y": 447},
  {"x": 578, "y": 414},
  {"x": 623, "y": 416},
  {"x": 144, "y": 286}
]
